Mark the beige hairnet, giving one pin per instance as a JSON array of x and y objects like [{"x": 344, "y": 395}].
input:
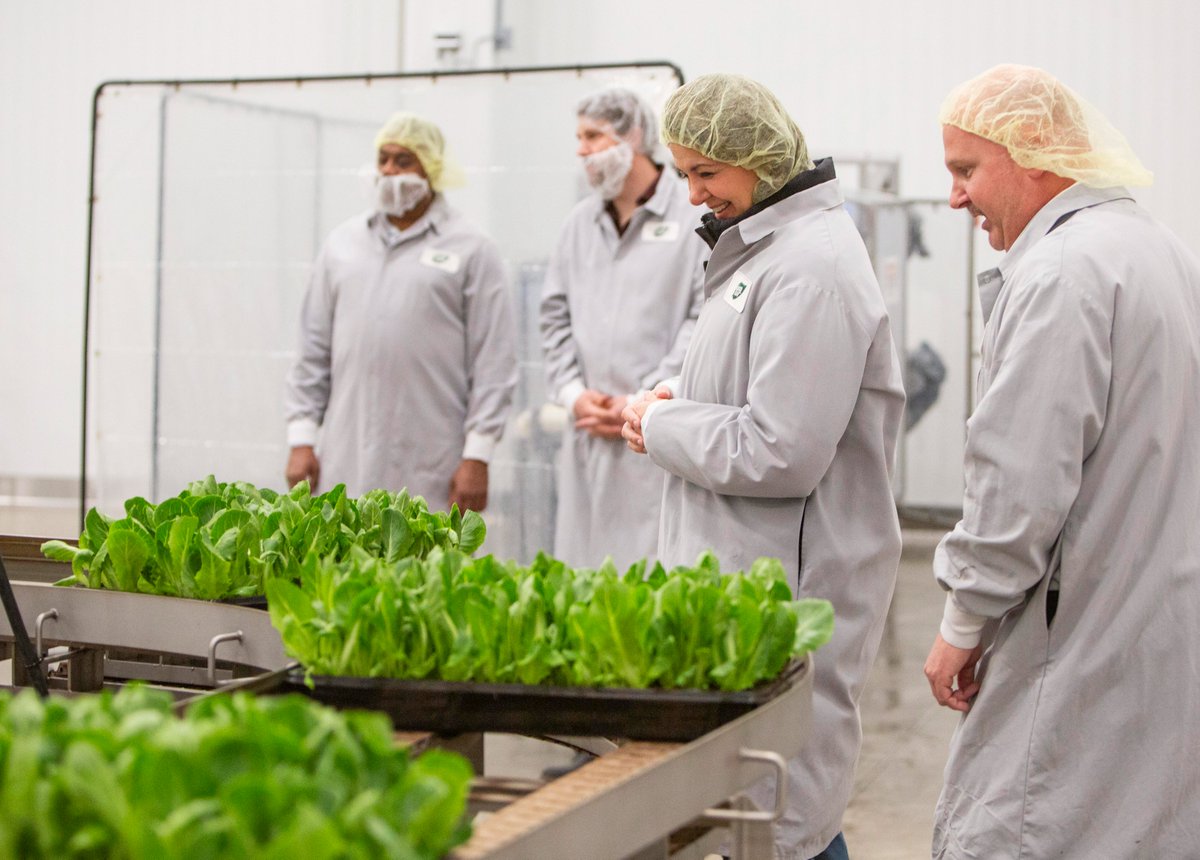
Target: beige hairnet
[
  {"x": 737, "y": 121},
  {"x": 1044, "y": 125},
  {"x": 425, "y": 140}
]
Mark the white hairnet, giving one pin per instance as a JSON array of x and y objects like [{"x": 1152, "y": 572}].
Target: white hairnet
[
  {"x": 632, "y": 120},
  {"x": 1044, "y": 125},
  {"x": 737, "y": 121},
  {"x": 425, "y": 140}
]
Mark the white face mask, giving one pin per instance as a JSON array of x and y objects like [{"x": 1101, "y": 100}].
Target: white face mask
[
  {"x": 401, "y": 193},
  {"x": 606, "y": 170}
]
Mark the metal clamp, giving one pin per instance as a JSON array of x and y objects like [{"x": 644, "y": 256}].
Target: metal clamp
[
  {"x": 212, "y": 653},
  {"x": 37, "y": 631},
  {"x": 780, "y": 765}
]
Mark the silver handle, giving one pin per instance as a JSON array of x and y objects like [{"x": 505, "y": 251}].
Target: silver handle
[
  {"x": 37, "y": 631},
  {"x": 212, "y": 653},
  {"x": 774, "y": 759}
]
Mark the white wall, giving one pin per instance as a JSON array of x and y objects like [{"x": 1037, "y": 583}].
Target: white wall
[{"x": 52, "y": 57}]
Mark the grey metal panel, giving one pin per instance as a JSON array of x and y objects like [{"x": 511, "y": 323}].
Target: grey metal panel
[{"x": 149, "y": 623}]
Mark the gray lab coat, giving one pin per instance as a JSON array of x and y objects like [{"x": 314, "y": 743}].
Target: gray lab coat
[
  {"x": 1083, "y": 458},
  {"x": 617, "y": 313},
  {"x": 407, "y": 353},
  {"x": 781, "y": 443}
]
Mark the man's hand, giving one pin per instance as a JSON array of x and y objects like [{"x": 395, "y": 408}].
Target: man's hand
[
  {"x": 469, "y": 486},
  {"x": 302, "y": 465},
  {"x": 634, "y": 412},
  {"x": 951, "y": 674},
  {"x": 603, "y": 421}
]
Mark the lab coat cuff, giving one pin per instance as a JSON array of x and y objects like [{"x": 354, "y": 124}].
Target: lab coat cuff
[
  {"x": 568, "y": 394},
  {"x": 479, "y": 447},
  {"x": 646, "y": 415},
  {"x": 672, "y": 384},
  {"x": 302, "y": 431},
  {"x": 960, "y": 628}
]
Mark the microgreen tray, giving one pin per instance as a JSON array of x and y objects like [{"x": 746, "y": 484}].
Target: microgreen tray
[{"x": 452, "y": 707}]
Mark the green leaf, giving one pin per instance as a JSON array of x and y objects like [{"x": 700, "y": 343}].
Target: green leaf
[
  {"x": 472, "y": 532},
  {"x": 128, "y": 551}
]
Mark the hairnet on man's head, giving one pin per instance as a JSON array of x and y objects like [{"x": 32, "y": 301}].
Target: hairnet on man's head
[
  {"x": 1044, "y": 125},
  {"x": 425, "y": 140},
  {"x": 737, "y": 121},
  {"x": 632, "y": 120}
]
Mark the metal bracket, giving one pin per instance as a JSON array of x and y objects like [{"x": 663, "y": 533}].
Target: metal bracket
[
  {"x": 774, "y": 759},
  {"x": 212, "y": 652},
  {"x": 37, "y": 631}
]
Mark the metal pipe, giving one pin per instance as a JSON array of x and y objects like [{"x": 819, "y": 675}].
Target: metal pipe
[
  {"x": 37, "y": 631},
  {"x": 25, "y": 652},
  {"x": 158, "y": 287}
]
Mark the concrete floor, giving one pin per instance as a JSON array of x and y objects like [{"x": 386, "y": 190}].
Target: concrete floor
[{"x": 906, "y": 735}]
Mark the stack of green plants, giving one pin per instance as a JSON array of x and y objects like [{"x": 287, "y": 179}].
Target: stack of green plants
[
  {"x": 452, "y": 617},
  {"x": 121, "y": 777},
  {"x": 222, "y": 540}
]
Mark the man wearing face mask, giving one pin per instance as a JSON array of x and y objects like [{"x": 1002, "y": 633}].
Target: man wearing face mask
[
  {"x": 620, "y": 300},
  {"x": 407, "y": 358}
]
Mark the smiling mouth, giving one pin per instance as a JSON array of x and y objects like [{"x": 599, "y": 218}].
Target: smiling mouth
[{"x": 717, "y": 210}]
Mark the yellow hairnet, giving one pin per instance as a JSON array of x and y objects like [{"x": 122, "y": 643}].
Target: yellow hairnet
[
  {"x": 737, "y": 121},
  {"x": 425, "y": 140},
  {"x": 1044, "y": 126}
]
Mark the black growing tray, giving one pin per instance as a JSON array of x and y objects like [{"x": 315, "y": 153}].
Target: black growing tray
[{"x": 452, "y": 707}]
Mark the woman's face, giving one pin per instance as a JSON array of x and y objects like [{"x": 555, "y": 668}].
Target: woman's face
[{"x": 727, "y": 190}]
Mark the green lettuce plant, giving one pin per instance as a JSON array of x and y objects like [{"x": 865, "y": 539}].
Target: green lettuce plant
[
  {"x": 221, "y": 540},
  {"x": 119, "y": 776},
  {"x": 452, "y": 617}
]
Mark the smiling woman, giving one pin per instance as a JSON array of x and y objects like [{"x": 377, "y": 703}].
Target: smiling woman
[
  {"x": 779, "y": 434},
  {"x": 727, "y": 190}
]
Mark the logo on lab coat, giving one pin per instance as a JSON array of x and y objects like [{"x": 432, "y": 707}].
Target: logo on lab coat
[
  {"x": 737, "y": 291},
  {"x": 443, "y": 260},
  {"x": 660, "y": 231}
]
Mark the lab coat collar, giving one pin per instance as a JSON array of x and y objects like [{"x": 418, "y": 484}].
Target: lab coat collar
[
  {"x": 661, "y": 198},
  {"x": 656, "y": 204},
  {"x": 1052, "y": 215},
  {"x": 809, "y": 191},
  {"x": 432, "y": 221}
]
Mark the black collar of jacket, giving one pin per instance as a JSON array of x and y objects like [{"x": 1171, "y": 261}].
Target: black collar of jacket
[{"x": 711, "y": 227}]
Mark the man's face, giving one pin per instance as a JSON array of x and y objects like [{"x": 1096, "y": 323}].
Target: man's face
[
  {"x": 726, "y": 190},
  {"x": 593, "y": 137},
  {"x": 990, "y": 185},
  {"x": 395, "y": 159}
]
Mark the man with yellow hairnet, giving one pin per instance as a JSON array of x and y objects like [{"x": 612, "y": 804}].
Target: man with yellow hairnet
[
  {"x": 407, "y": 347},
  {"x": 1069, "y": 636},
  {"x": 779, "y": 435}
]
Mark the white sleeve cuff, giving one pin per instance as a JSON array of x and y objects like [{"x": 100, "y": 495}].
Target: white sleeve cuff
[
  {"x": 646, "y": 415},
  {"x": 479, "y": 447},
  {"x": 302, "y": 431},
  {"x": 568, "y": 394},
  {"x": 960, "y": 628}
]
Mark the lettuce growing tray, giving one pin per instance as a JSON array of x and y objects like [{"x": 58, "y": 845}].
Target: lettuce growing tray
[{"x": 452, "y": 707}]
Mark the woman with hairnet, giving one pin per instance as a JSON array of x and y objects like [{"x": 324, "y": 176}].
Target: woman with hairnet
[
  {"x": 1069, "y": 635},
  {"x": 407, "y": 357},
  {"x": 779, "y": 435},
  {"x": 619, "y": 303}
]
